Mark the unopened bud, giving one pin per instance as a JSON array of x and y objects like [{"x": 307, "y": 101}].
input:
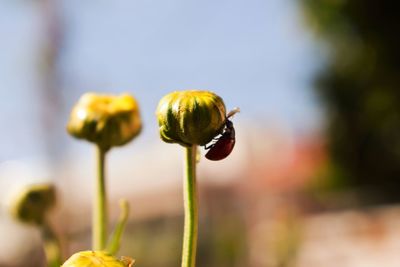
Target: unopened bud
[
  {"x": 32, "y": 203},
  {"x": 190, "y": 117},
  {"x": 106, "y": 120},
  {"x": 97, "y": 259}
]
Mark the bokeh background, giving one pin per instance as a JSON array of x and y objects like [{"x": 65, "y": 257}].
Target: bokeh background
[{"x": 314, "y": 179}]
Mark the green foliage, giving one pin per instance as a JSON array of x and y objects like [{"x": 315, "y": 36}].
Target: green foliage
[{"x": 360, "y": 88}]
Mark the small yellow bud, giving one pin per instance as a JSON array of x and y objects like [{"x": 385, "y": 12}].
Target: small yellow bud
[
  {"x": 106, "y": 120},
  {"x": 97, "y": 259},
  {"x": 33, "y": 202},
  {"x": 190, "y": 117}
]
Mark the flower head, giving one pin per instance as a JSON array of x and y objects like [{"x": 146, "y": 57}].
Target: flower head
[
  {"x": 106, "y": 120},
  {"x": 190, "y": 117},
  {"x": 97, "y": 259},
  {"x": 32, "y": 203}
]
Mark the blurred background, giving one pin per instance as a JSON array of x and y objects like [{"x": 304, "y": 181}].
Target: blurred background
[{"x": 314, "y": 179}]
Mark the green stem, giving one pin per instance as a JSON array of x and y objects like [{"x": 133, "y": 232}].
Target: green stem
[
  {"x": 52, "y": 246},
  {"x": 191, "y": 209},
  {"x": 100, "y": 204}
]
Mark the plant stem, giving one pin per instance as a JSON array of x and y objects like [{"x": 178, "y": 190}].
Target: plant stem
[
  {"x": 100, "y": 221},
  {"x": 52, "y": 246},
  {"x": 191, "y": 209},
  {"x": 115, "y": 239}
]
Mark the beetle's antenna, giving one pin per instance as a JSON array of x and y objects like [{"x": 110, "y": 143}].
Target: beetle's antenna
[{"x": 232, "y": 112}]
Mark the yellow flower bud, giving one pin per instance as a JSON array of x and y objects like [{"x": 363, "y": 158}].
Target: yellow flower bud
[
  {"x": 106, "y": 120},
  {"x": 97, "y": 259},
  {"x": 190, "y": 117},
  {"x": 33, "y": 202}
]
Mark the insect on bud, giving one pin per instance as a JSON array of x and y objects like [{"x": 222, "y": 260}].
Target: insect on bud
[
  {"x": 226, "y": 142},
  {"x": 190, "y": 117},
  {"x": 106, "y": 120},
  {"x": 97, "y": 259}
]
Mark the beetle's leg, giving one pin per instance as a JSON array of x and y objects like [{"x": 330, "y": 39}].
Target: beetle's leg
[{"x": 210, "y": 146}]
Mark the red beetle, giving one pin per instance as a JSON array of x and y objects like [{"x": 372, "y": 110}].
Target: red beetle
[{"x": 225, "y": 143}]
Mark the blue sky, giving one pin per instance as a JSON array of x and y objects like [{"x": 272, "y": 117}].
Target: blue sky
[{"x": 255, "y": 54}]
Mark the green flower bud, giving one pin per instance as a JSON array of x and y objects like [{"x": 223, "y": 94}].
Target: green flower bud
[
  {"x": 106, "y": 120},
  {"x": 190, "y": 117},
  {"x": 33, "y": 202},
  {"x": 97, "y": 259}
]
